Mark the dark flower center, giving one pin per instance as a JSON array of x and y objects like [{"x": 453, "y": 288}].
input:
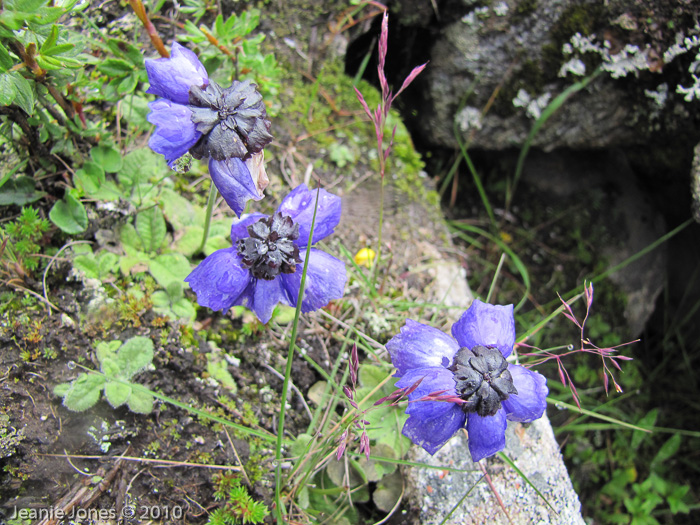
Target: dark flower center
[
  {"x": 233, "y": 121},
  {"x": 483, "y": 379},
  {"x": 270, "y": 249}
]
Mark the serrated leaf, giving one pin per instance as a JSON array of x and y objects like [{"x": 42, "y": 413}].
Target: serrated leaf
[
  {"x": 140, "y": 402},
  {"x": 170, "y": 267},
  {"x": 108, "y": 158},
  {"x": 135, "y": 355},
  {"x": 151, "y": 229},
  {"x": 69, "y": 215},
  {"x": 19, "y": 191},
  {"x": 84, "y": 392},
  {"x": 117, "y": 393}
]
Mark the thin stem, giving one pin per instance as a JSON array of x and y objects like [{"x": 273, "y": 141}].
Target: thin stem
[
  {"x": 140, "y": 11},
  {"x": 288, "y": 372},
  {"x": 207, "y": 218},
  {"x": 375, "y": 269}
]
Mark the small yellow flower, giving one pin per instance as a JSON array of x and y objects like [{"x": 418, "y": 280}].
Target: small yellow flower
[
  {"x": 365, "y": 257},
  {"x": 506, "y": 237}
]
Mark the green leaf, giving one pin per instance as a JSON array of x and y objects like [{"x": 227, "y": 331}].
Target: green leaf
[
  {"x": 50, "y": 41},
  {"x": 107, "y": 262},
  {"x": 170, "y": 267},
  {"x": 19, "y": 191},
  {"x": 69, "y": 215},
  {"x": 115, "y": 67},
  {"x": 8, "y": 91},
  {"x": 6, "y": 61},
  {"x": 667, "y": 450},
  {"x": 140, "y": 402},
  {"x": 388, "y": 492},
  {"x": 110, "y": 366},
  {"x": 139, "y": 165},
  {"x": 128, "y": 84},
  {"x": 25, "y": 93},
  {"x": 117, "y": 393},
  {"x": 184, "y": 309},
  {"x": 218, "y": 369},
  {"x": 88, "y": 265},
  {"x": 107, "y": 157},
  {"x": 61, "y": 389},
  {"x": 180, "y": 212},
  {"x": 84, "y": 392},
  {"x": 59, "y": 49},
  {"x": 107, "y": 350},
  {"x": 135, "y": 355},
  {"x": 151, "y": 229},
  {"x": 89, "y": 178},
  {"x": 189, "y": 242}
]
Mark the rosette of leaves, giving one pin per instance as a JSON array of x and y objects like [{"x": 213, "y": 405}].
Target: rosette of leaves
[{"x": 119, "y": 363}]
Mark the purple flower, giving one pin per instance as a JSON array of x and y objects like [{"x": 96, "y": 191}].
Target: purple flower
[
  {"x": 264, "y": 265},
  {"x": 196, "y": 115},
  {"x": 471, "y": 371}
]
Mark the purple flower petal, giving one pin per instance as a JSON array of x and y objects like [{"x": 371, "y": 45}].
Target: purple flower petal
[
  {"x": 299, "y": 205},
  {"x": 531, "y": 400},
  {"x": 486, "y": 325},
  {"x": 487, "y": 435},
  {"x": 239, "y": 229},
  {"x": 266, "y": 296},
  {"x": 325, "y": 281},
  {"x": 431, "y": 423},
  {"x": 219, "y": 280},
  {"x": 434, "y": 379},
  {"x": 420, "y": 346},
  {"x": 175, "y": 132},
  {"x": 172, "y": 77},
  {"x": 235, "y": 183}
]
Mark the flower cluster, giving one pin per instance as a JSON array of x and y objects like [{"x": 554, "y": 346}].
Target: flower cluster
[
  {"x": 196, "y": 115},
  {"x": 262, "y": 268},
  {"x": 464, "y": 380}
]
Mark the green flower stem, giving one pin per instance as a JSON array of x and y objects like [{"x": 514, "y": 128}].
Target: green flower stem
[
  {"x": 288, "y": 374},
  {"x": 207, "y": 218},
  {"x": 375, "y": 267}
]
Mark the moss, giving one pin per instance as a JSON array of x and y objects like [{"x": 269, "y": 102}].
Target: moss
[{"x": 524, "y": 9}]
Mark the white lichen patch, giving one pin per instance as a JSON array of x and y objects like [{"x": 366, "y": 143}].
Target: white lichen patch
[
  {"x": 533, "y": 106},
  {"x": 469, "y": 118}
]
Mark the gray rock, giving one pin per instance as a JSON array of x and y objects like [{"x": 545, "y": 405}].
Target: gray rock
[
  {"x": 480, "y": 62},
  {"x": 533, "y": 449}
]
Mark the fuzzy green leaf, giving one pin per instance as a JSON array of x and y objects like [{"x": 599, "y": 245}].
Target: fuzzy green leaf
[
  {"x": 135, "y": 355},
  {"x": 84, "y": 392},
  {"x": 69, "y": 215},
  {"x": 88, "y": 265},
  {"x": 140, "y": 402},
  {"x": 117, "y": 393},
  {"x": 139, "y": 165}
]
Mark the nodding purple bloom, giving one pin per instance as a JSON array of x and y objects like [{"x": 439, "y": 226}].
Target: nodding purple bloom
[
  {"x": 265, "y": 263},
  {"x": 471, "y": 370},
  {"x": 196, "y": 115}
]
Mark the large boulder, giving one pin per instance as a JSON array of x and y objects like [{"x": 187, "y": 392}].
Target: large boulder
[{"x": 493, "y": 70}]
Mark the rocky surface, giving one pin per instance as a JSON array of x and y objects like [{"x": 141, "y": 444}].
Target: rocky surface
[{"x": 493, "y": 70}]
